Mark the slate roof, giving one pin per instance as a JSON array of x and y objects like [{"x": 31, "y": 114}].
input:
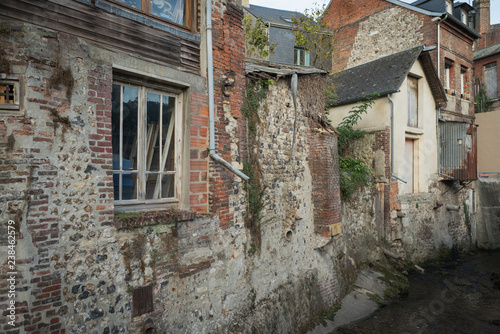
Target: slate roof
[
  {"x": 432, "y": 5},
  {"x": 486, "y": 52},
  {"x": 272, "y": 15},
  {"x": 384, "y": 76},
  {"x": 437, "y": 8}
]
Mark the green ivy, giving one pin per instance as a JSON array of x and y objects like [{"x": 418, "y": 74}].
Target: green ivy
[
  {"x": 255, "y": 93},
  {"x": 254, "y": 193},
  {"x": 481, "y": 101},
  {"x": 256, "y": 37},
  {"x": 354, "y": 173}
]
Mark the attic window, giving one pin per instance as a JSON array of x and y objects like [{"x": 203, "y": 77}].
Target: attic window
[
  {"x": 301, "y": 56},
  {"x": 287, "y": 19},
  {"x": 449, "y": 6},
  {"x": 464, "y": 16}
]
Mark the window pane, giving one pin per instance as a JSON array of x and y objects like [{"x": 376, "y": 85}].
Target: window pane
[
  {"x": 168, "y": 134},
  {"x": 132, "y": 3},
  {"x": 128, "y": 133},
  {"x": 153, "y": 132},
  {"x": 412, "y": 102},
  {"x": 296, "y": 56},
  {"x": 168, "y": 186},
  {"x": 490, "y": 80},
  {"x": 130, "y": 124},
  {"x": 172, "y": 10},
  {"x": 7, "y": 93},
  {"x": 153, "y": 184},
  {"x": 129, "y": 186}
]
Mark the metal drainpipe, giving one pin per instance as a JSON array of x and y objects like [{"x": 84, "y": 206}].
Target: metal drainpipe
[
  {"x": 439, "y": 45},
  {"x": 438, "y": 110},
  {"x": 392, "y": 140},
  {"x": 211, "y": 104}
]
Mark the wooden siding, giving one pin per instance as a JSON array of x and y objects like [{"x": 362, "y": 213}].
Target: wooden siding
[{"x": 108, "y": 30}]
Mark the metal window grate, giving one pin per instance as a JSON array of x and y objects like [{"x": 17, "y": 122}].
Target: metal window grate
[
  {"x": 142, "y": 300},
  {"x": 7, "y": 93}
]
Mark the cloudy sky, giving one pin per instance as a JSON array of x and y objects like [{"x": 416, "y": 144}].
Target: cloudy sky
[{"x": 300, "y": 5}]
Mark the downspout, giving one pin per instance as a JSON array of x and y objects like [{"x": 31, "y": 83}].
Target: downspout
[
  {"x": 392, "y": 139},
  {"x": 211, "y": 104},
  {"x": 438, "y": 110}
]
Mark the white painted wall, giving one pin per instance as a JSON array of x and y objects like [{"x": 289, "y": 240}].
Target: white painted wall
[{"x": 425, "y": 145}]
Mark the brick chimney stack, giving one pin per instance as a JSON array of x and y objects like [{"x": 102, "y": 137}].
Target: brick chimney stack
[{"x": 482, "y": 8}]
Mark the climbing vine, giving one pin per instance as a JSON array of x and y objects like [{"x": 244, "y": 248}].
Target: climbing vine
[
  {"x": 255, "y": 93},
  {"x": 254, "y": 189},
  {"x": 354, "y": 172},
  {"x": 481, "y": 101},
  {"x": 257, "y": 38},
  {"x": 314, "y": 35}
]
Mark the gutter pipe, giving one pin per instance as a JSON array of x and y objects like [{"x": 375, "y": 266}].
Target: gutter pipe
[
  {"x": 438, "y": 110},
  {"x": 211, "y": 104}
]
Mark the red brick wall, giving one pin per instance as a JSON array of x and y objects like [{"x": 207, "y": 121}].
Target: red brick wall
[
  {"x": 198, "y": 190},
  {"x": 229, "y": 58},
  {"x": 491, "y": 37},
  {"x": 458, "y": 48},
  {"x": 344, "y": 12},
  {"x": 479, "y": 73},
  {"x": 344, "y": 17},
  {"x": 323, "y": 162}
]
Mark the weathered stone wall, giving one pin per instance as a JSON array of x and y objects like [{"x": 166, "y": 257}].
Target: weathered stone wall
[
  {"x": 427, "y": 229},
  {"x": 84, "y": 268},
  {"x": 386, "y": 32},
  {"x": 430, "y": 228},
  {"x": 488, "y": 216}
]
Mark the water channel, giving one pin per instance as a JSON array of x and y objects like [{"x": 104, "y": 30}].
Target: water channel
[{"x": 458, "y": 296}]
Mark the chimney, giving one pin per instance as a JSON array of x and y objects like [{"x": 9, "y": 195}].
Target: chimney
[
  {"x": 245, "y": 3},
  {"x": 482, "y": 25}
]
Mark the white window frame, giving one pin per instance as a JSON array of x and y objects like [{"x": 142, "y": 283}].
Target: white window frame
[
  {"x": 449, "y": 6},
  {"x": 141, "y": 202},
  {"x": 447, "y": 76},
  {"x": 301, "y": 53},
  {"x": 463, "y": 73},
  {"x": 416, "y": 101},
  {"x": 464, "y": 16}
]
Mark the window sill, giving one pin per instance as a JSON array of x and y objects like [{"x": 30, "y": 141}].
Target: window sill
[
  {"x": 413, "y": 132},
  {"x": 128, "y": 220}
]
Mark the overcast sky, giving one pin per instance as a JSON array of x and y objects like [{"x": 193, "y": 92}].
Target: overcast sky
[{"x": 300, "y": 5}]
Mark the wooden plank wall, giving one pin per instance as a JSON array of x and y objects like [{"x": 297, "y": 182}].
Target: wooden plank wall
[{"x": 108, "y": 30}]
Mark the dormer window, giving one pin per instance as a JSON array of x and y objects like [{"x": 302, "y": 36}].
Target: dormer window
[
  {"x": 464, "y": 16},
  {"x": 449, "y": 6},
  {"x": 301, "y": 56}
]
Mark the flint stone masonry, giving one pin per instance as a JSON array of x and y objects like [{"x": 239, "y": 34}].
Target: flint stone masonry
[
  {"x": 81, "y": 264},
  {"x": 386, "y": 32}
]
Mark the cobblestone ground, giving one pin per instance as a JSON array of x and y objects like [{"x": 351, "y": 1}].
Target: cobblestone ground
[{"x": 459, "y": 296}]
